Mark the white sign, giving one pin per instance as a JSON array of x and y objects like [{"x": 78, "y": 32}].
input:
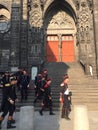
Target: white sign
[
  {"x": 14, "y": 69},
  {"x": 34, "y": 72}
]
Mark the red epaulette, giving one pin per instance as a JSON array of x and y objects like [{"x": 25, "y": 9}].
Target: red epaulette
[{"x": 46, "y": 86}]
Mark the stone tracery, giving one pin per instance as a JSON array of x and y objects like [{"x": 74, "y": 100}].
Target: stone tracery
[{"x": 61, "y": 20}]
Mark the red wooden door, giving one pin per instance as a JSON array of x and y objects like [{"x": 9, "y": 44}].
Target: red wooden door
[
  {"x": 52, "y": 49},
  {"x": 67, "y": 50}
]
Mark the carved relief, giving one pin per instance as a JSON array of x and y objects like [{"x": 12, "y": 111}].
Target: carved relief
[
  {"x": 35, "y": 14},
  {"x": 84, "y": 22},
  {"x": 35, "y": 24},
  {"x": 61, "y": 20},
  {"x": 90, "y": 4},
  {"x": 77, "y": 4},
  {"x": 84, "y": 17},
  {"x": 36, "y": 19}
]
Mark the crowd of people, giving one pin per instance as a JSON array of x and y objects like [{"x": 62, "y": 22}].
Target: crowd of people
[
  {"x": 42, "y": 86},
  {"x": 43, "y": 93},
  {"x": 9, "y": 82}
]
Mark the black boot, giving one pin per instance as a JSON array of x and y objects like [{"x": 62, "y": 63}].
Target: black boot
[
  {"x": 62, "y": 116},
  {"x": 41, "y": 112},
  {"x": 0, "y": 124},
  {"x": 51, "y": 112},
  {"x": 67, "y": 118},
  {"x": 63, "y": 112},
  {"x": 13, "y": 121},
  {"x": 9, "y": 125},
  {"x": 67, "y": 115}
]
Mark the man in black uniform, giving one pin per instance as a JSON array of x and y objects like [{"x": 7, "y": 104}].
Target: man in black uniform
[
  {"x": 13, "y": 82},
  {"x": 37, "y": 80},
  {"x": 7, "y": 101},
  {"x": 24, "y": 84},
  {"x": 47, "y": 99},
  {"x": 18, "y": 75},
  {"x": 40, "y": 91}
]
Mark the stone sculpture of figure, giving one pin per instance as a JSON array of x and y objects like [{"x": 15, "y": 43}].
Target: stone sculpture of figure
[
  {"x": 82, "y": 33},
  {"x": 87, "y": 30}
]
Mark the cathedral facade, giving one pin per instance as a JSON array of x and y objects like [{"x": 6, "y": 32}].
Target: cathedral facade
[{"x": 36, "y": 31}]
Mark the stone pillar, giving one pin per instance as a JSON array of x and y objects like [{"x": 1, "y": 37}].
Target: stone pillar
[
  {"x": 15, "y": 33},
  {"x": 81, "y": 121},
  {"x": 60, "y": 47},
  {"x": 35, "y": 39},
  {"x": 85, "y": 32},
  {"x": 95, "y": 14},
  {"x": 24, "y": 34},
  {"x": 26, "y": 118}
]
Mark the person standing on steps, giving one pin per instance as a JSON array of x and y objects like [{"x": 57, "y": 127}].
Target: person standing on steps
[
  {"x": 7, "y": 100},
  {"x": 24, "y": 85},
  {"x": 45, "y": 74},
  {"x": 65, "y": 98},
  {"x": 37, "y": 80},
  {"x": 18, "y": 75},
  {"x": 47, "y": 99},
  {"x": 13, "y": 82},
  {"x": 41, "y": 90}
]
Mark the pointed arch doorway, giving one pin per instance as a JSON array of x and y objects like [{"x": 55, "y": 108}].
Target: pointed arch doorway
[{"x": 60, "y": 38}]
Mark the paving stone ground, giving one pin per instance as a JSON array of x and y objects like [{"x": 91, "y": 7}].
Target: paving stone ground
[{"x": 48, "y": 122}]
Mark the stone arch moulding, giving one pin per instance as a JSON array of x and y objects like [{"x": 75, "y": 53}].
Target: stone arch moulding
[
  {"x": 5, "y": 19},
  {"x": 6, "y": 4},
  {"x": 5, "y": 12},
  {"x": 56, "y": 6},
  {"x": 65, "y": 3}
]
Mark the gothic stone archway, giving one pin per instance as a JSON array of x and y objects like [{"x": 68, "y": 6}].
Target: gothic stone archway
[{"x": 60, "y": 40}]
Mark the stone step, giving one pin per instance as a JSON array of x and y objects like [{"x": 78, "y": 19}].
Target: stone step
[{"x": 84, "y": 88}]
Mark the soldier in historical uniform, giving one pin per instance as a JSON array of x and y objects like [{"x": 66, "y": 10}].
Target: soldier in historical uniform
[
  {"x": 18, "y": 75},
  {"x": 65, "y": 98},
  {"x": 40, "y": 91},
  {"x": 47, "y": 99},
  {"x": 13, "y": 82},
  {"x": 7, "y": 100},
  {"x": 45, "y": 74},
  {"x": 37, "y": 80},
  {"x": 24, "y": 85}
]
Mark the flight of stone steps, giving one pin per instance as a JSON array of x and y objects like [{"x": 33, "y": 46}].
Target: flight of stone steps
[{"x": 84, "y": 89}]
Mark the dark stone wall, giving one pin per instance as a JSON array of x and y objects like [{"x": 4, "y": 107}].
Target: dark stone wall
[
  {"x": 25, "y": 41},
  {"x": 15, "y": 34}
]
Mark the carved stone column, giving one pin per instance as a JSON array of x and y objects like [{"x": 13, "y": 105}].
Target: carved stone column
[
  {"x": 95, "y": 13},
  {"x": 35, "y": 33},
  {"x": 86, "y": 36},
  {"x": 60, "y": 47}
]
